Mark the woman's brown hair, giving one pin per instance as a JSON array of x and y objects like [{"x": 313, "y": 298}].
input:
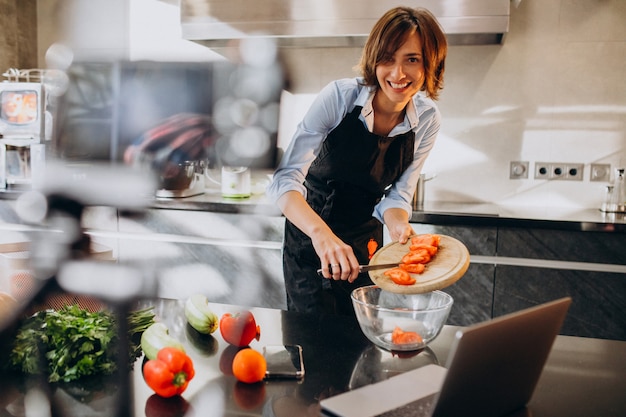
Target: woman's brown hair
[{"x": 391, "y": 31}]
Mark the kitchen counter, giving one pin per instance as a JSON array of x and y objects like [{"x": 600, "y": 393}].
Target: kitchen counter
[
  {"x": 583, "y": 376},
  {"x": 433, "y": 213},
  {"x": 440, "y": 213}
]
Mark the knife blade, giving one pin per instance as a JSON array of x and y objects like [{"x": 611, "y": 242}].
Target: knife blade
[{"x": 365, "y": 268}]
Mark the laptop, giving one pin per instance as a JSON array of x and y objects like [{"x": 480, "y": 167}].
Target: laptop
[{"x": 492, "y": 371}]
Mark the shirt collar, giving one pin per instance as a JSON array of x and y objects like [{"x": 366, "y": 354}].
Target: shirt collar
[{"x": 366, "y": 98}]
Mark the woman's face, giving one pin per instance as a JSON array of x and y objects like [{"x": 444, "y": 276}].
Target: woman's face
[{"x": 402, "y": 75}]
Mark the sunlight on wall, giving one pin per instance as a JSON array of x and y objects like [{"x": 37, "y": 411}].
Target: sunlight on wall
[
  {"x": 457, "y": 156},
  {"x": 155, "y": 34}
]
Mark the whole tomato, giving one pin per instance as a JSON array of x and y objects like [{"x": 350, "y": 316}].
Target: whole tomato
[{"x": 239, "y": 329}]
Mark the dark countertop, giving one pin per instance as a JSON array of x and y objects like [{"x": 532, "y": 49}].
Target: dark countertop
[
  {"x": 582, "y": 377},
  {"x": 473, "y": 214},
  {"x": 440, "y": 213}
]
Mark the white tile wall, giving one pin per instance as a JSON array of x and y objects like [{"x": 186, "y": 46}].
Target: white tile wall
[{"x": 554, "y": 91}]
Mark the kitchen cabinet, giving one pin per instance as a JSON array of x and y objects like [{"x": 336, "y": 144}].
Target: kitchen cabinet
[
  {"x": 229, "y": 257},
  {"x": 514, "y": 268},
  {"x": 599, "y": 294},
  {"x": 599, "y": 298}
]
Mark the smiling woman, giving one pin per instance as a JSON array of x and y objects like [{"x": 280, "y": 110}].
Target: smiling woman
[{"x": 354, "y": 161}]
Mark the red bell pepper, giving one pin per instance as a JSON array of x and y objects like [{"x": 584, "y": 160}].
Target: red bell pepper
[{"x": 170, "y": 373}]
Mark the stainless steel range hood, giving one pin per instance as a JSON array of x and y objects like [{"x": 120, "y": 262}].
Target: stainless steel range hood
[{"x": 333, "y": 23}]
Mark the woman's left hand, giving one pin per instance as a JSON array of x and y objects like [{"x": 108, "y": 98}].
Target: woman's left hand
[{"x": 397, "y": 222}]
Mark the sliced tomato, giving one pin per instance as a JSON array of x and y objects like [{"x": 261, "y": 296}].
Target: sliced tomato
[
  {"x": 400, "y": 337},
  {"x": 428, "y": 239},
  {"x": 400, "y": 276},
  {"x": 432, "y": 250},
  {"x": 416, "y": 257},
  {"x": 413, "y": 268}
]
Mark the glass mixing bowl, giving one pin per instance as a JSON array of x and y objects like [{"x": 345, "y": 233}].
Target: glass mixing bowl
[{"x": 416, "y": 319}]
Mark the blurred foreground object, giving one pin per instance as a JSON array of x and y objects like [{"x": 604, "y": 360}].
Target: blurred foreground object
[
  {"x": 8, "y": 307},
  {"x": 63, "y": 270},
  {"x": 99, "y": 184},
  {"x": 175, "y": 150},
  {"x": 111, "y": 106}
]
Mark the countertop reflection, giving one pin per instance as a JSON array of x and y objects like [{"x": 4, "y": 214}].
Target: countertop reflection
[{"x": 582, "y": 377}]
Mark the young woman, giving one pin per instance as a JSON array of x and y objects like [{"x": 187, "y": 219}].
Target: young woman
[{"x": 354, "y": 161}]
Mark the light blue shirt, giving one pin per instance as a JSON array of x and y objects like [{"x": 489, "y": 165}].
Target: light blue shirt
[{"x": 329, "y": 108}]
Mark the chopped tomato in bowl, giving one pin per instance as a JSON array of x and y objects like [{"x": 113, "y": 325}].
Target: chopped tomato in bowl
[{"x": 400, "y": 322}]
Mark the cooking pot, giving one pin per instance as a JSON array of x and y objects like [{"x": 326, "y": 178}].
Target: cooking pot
[
  {"x": 179, "y": 176},
  {"x": 420, "y": 190}
]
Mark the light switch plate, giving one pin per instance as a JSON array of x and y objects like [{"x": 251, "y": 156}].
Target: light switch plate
[
  {"x": 518, "y": 170},
  {"x": 600, "y": 172}
]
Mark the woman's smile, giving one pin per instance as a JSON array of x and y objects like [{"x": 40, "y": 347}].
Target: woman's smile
[{"x": 398, "y": 86}]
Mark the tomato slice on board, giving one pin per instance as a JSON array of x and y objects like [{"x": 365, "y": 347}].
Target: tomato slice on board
[
  {"x": 432, "y": 250},
  {"x": 427, "y": 239},
  {"x": 413, "y": 268},
  {"x": 400, "y": 337},
  {"x": 416, "y": 257},
  {"x": 400, "y": 276}
]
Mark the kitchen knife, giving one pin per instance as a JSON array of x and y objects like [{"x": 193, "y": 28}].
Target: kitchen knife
[{"x": 365, "y": 268}]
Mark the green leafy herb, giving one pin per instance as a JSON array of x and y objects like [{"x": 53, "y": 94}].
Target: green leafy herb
[{"x": 71, "y": 343}]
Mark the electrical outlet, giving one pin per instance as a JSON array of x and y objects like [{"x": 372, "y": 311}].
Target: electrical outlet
[
  {"x": 556, "y": 171},
  {"x": 574, "y": 172},
  {"x": 571, "y": 171},
  {"x": 518, "y": 170},
  {"x": 542, "y": 170},
  {"x": 600, "y": 172}
]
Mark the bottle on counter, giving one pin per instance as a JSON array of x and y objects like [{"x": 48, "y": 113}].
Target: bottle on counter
[
  {"x": 607, "y": 203},
  {"x": 618, "y": 196}
]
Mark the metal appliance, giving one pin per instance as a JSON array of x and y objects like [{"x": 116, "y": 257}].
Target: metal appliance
[
  {"x": 22, "y": 128},
  {"x": 186, "y": 181},
  {"x": 334, "y": 23}
]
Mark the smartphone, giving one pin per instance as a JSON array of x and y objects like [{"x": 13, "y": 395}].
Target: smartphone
[{"x": 284, "y": 361}]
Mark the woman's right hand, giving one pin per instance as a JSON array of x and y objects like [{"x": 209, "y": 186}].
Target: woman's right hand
[{"x": 337, "y": 259}]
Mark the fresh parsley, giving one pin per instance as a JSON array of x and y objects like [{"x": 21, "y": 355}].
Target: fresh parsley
[{"x": 72, "y": 343}]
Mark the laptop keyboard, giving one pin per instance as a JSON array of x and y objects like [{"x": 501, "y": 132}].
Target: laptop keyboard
[{"x": 419, "y": 408}]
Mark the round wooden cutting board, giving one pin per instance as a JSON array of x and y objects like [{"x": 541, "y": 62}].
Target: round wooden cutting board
[{"x": 445, "y": 268}]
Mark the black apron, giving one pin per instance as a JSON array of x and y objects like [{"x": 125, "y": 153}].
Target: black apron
[{"x": 350, "y": 175}]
